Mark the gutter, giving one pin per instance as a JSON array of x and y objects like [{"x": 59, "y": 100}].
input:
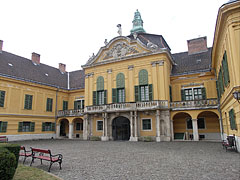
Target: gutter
[{"x": 56, "y": 107}]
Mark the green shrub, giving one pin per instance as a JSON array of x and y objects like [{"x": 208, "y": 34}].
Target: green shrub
[
  {"x": 95, "y": 138},
  {"x": 13, "y": 148},
  {"x": 7, "y": 164},
  {"x": 147, "y": 139}
]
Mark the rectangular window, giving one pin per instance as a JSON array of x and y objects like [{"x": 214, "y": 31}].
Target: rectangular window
[
  {"x": 193, "y": 94},
  {"x": 144, "y": 93},
  {"x": 201, "y": 123},
  {"x": 79, "y": 104},
  {"x": 26, "y": 126},
  {"x": 79, "y": 126},
  {"x": 100, "y": 97},
  {"x": 28, "y": 102},
  {"x": 121, "y": 95},
  {"x": 3, "y": 126},
  {"x": 99, "y": 125},
  {"x": 146, "y": 124},
  {"x": 47, "y": 126},
  {"x": 189, "y": 123},
  {"x": 2, "y": 98},
  {"x": 49, "y": 104},
  {"x": 65, "y": 105}
]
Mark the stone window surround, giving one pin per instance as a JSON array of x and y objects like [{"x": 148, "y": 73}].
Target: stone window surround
[
  {"x": 97, "y": 125},
  {"x": 142, "y": 124}
]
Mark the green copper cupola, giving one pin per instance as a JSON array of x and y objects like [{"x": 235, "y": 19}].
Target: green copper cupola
[{"x": 137, "y": 23}]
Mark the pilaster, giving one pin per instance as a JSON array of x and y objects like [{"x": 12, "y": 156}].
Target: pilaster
[{"x": 195, "y": 130}]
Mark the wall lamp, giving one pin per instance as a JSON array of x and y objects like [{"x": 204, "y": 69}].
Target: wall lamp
[{"x": 236, "y": 95}]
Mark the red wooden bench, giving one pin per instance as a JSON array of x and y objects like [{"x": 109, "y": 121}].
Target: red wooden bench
[
  {"x": 23, "y": 152},
  {"x": 46, "y": 155},
  {"x": 230, "y": 143},
  {"x": 3, "y": 139}
]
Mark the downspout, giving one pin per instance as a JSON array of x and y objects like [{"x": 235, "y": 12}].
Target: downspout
[
  {"x": 56, "y": 107},
  {"x": 219, "y": 110},
  {"x": 68, "y": 85}
]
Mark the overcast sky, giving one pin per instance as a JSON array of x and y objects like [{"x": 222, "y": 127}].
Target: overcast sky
[{"x": 69, "y": 31}]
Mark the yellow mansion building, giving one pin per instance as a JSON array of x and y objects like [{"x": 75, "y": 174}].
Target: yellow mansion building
[{"x": 133, "y": 89}]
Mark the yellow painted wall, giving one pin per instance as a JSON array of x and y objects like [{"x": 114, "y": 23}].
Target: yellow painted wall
[
  {"x": 227, "y": 38},
  {"x": 206, "y": 80},
  {"x": 94, "y": 126},
  {"x": 151, "y": 132},
  {"x": 157, "y": 75}
]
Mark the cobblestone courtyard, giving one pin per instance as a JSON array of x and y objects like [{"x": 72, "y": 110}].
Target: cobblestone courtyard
[{"x": 139, "y": 160}]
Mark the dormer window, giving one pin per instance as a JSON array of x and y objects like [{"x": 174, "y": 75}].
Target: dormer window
[
  {"x": 10, "y": 64},
  {"x": 46, "y": 74}
]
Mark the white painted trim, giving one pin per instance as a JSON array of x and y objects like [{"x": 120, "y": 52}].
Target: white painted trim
[
  {"x": 97, "y": 126},
  {"x": 142, "y": 124}
]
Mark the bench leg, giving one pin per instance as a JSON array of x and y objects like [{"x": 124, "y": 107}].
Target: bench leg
[
  {"x": 50, "y": 166},
  {"x": 32, "y": 161},
  {"x": 24, "y": 159},
  {"x": 60, "y": 164}
]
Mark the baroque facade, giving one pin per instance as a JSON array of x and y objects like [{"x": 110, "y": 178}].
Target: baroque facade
[{"x": 133, "y": 89}]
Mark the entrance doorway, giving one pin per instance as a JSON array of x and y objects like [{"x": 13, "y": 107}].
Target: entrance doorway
[
  {"x": 121, "y": 128},
  {"x": 63, "y": 127}
]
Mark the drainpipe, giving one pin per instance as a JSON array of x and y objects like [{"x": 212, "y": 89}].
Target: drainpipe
[
  {"x": 219, "y": 110},
  {"x": 56, "y": 110}
]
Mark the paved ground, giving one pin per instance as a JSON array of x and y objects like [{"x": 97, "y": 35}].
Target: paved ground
[{"x": 140, "y": 160}]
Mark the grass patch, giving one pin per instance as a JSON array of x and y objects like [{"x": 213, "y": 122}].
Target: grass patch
[{"x": 31, "y": 173}]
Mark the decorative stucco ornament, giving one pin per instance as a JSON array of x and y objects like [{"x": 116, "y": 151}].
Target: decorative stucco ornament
[
  {"x": 120, "y": 49},
  {"x": 135, "y": 35},
  {"x": 152, "y": 45}
]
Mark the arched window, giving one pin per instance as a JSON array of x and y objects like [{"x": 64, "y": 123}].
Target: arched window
[
  {"x": 118, "y": 94},
  {"x": 100, "y": 83},
  {"x": 143, "y": 77},
  {"x": 100, "y": 96},
  {"x": 143, "y": 92}
]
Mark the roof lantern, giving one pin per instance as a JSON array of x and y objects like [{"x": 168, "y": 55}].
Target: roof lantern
[{"x": 137, "y": 23}]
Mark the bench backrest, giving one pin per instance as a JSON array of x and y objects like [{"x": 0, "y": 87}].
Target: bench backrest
[
  {"x": 231, "y": 140},
  {"x": 41, "y": 151}
]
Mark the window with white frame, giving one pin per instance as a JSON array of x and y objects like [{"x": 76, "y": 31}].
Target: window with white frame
[
  {"x": 197, "y": 93},
  {"x": 146, "y": 124},
  {"x": 144, "y": 92},
  {"x": 99, "y": 125}
]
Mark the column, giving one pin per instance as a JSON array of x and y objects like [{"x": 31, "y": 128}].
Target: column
[
  {"x": 131, "y": 126},
  {"x": 70, "y": 131},
  {"x": 105, "y": 134},
  {"x": 135, "y": 126},
  {"x": 172, "y": 130},
  {"x": 58, "y": 131},
  {"x": 85, "y": 127},
  {"x": 195, "y": 130},
  {"x": 158, "y": 138}
]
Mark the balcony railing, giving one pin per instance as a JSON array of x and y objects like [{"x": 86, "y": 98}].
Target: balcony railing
[
  {"x": 196, "y": 104},
  {"x": 71, "y": 112},
  {"x": 120, "y": 107}
]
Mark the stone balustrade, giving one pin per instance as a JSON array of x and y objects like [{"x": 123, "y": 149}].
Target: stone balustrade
[
  {"x": 195, "y": 104},
  {"x": 70, "y": 112},
  {"x": 120, "y": 107}
]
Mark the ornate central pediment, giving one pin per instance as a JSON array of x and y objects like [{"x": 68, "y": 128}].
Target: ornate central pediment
[
  {"x": 117, "y": 48},
  {"x": 120, "y": 49}
]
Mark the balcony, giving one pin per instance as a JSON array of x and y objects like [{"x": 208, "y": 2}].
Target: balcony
[
  {"x": 70, "y": 113},
  {"x": 122, "y": 107},
  {"x": 195, "y": 104}
]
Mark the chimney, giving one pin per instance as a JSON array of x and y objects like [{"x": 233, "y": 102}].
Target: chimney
[
  {"x": 36, "y": 58},
  {"x": 197, "y": 45},
  {"x": 62, "y": 67},
  {"x": 1, "y": 45}
]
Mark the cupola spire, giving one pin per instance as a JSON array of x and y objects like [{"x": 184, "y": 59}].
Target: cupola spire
[{"x": 137, "y": 23}]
